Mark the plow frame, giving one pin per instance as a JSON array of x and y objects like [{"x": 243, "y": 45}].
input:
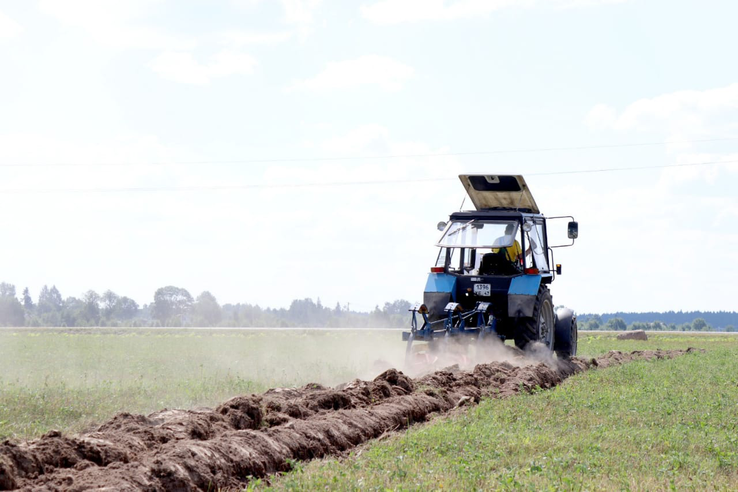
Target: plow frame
[{"x": 457, "y": 323}]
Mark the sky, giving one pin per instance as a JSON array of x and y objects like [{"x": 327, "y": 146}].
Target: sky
[{"x": 268, "y": 150}]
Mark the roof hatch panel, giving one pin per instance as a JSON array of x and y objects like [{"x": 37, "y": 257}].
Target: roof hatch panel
[{"x": 498, "y": 191}]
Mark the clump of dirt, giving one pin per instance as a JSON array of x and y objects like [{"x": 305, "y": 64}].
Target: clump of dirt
[
  {"x": 633, "y": 335},
  {"x": 257, "y": 435}
]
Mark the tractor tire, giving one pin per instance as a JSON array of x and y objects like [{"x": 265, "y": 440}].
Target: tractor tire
[
  {"x": 539, "y": 327},
  {"x": 566, "y": 334}
]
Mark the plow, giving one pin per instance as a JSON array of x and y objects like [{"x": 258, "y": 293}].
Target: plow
[{"x": 492, "y": 276}]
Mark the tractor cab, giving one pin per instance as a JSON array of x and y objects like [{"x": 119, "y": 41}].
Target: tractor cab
[
  {"x": 494, "y": 243},
  {"x": 494, "y": 265}
]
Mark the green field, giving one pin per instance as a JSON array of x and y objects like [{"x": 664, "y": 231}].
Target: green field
[{"x": 642, "y": 426}]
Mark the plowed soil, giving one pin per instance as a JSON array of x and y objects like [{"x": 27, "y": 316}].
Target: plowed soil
[{"x": 257, "y": 435}]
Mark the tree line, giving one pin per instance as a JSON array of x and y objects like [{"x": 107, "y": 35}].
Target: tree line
[
  {"x": 176, "y": 307},
  {"x": 717, "y": 319},
  {"x": 596, "y": 322}
]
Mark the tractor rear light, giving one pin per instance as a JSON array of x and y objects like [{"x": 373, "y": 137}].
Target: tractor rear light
[
  {"x": 423, "y": 309},
  {"x": 531, "y": 271},
  {"x": 436, "y": 269}
]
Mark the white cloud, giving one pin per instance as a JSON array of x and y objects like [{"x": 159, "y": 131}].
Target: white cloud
[
  {"x": 670, "y": 226},
  {"x": 295, "y": 11},
  {"x": 300, "y": 11},
  {"x": 690, "y": 207},
  {"x": 385, "y": 72},
  {"x": 184, "y": 68},
  {"x": 112, "y": 22},
  {"x": 8, "y": 27},
  {"x": 399, "y": 11},
  {"x": 298, "y": 14},
  {"x": 247, "y": 38},
  {"x": 601, "y": 116},
  {"x": 724, "y": 167},
  {"x": 566, "y": 4},
  {"x": 681, "y": 114}
]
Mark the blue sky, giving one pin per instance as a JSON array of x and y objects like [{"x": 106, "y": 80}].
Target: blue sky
[{"x": 153, "y": 86}]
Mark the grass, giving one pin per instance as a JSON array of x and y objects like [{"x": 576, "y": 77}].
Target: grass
[
  {"x": 74, "y": 379},
  {"x": 643, "y": 426}
]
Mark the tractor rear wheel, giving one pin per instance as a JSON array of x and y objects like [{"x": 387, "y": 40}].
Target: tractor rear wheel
[
  {"x": 539, "y": 327},
  {"x": 565, "y": 341}
]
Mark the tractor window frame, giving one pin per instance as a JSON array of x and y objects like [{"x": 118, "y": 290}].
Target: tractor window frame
[{"x": 536, "y": 257}]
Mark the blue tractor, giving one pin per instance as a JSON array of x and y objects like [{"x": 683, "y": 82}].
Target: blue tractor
[{"x": 493, "y": 273}]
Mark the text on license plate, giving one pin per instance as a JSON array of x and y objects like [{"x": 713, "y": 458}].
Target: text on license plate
[{"x": 482, "y": 289}]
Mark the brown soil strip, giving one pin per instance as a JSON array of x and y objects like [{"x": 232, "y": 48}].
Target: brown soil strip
[{"x": 257, "y": 435}]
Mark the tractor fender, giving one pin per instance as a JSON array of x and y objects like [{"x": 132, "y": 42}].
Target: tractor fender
[
  {"x": 522, "y": 294},
  {"x": 440, "y": 289}
]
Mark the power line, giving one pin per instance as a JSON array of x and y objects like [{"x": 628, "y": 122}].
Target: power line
[
  {"x": 334, "y": 184},
  {"x": 355, "y": 158},
  {"x": 633, "y": 168}
]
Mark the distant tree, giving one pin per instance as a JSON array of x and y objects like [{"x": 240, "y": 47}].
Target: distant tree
[
  {"x": 399, "y": 307},
  {"x": 7, "y": 290},
  {"x": 305, "y": 312},
  {"x": 658, "y": 326},
  {"x": 171, "y": 304},
  {"x": 43, "y": 303},
  {"x": 49, "y": 300},
  {"x": 71, "y": 314},
  {"x": 617, "y": 324},
  {"x": 639, "y": 326},
  {"x": 109, "y": 301},
  {"x": 337, "y": 309},
  {"x": 27, "y": 301},
  {"x": 592, "y": 324},
  {"x": 55, "y": 297},
  {"x": 699, "y": 324},
  {"x": 206, "y": 310},
  {"x": 126, "y": 308},
  {"x": 91, "y": 309},
  {"x": 11, "y": 312},
  {"x": 730, "y": 328}
]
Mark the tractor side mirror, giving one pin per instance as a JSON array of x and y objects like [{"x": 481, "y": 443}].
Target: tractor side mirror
[
  {"x": 573, "y": 230},
  {"x": 441, "y": 225}
]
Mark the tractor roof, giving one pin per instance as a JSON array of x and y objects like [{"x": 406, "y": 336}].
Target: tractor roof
[{"x": 488, "y": 191}]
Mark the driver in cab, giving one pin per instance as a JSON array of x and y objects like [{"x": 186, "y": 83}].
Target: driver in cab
[{"x": 514, "y": 253}]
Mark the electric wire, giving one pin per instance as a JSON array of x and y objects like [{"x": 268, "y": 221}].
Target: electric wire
[
  {"x": 356, "y": 158},
  {"x": 239, "y": 187}
]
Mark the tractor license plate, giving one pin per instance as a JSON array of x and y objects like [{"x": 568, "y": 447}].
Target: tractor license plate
[{"x": 483, "y": 290}]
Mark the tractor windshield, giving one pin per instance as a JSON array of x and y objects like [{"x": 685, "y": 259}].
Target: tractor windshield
[{"x": 479, "y": 234}]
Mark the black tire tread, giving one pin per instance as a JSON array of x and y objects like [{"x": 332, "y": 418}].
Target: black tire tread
[{"x": 565, "y": 344}]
